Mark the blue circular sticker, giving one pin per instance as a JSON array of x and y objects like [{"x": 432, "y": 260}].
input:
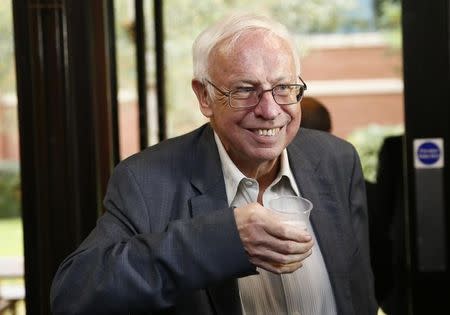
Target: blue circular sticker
[{"x": 428, "y": 153}]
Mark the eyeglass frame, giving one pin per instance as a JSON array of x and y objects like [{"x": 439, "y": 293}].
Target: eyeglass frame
[{"x": 228, "y": 94}]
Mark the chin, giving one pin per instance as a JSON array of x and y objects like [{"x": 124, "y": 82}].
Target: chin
[{"x": 264, "y": 155}]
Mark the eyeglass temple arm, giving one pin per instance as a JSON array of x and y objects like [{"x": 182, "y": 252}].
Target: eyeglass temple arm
[
  {"x": 304, "y": 84},
  {"x": 299, "y": 97}
]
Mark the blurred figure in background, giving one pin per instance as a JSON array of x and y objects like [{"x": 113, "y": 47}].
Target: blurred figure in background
[
  {"x": 388, "y": 222},
  {"x": 315, "y": 115}
]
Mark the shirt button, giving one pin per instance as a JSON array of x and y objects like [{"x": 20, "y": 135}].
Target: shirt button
[{"x": 248, "y": 183}]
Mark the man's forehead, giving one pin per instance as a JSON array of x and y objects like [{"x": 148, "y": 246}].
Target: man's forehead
[
  {"x": 250, "y": 37},
  {"x": 249, "y": 47},
  {"x": 256, "y": 56}
]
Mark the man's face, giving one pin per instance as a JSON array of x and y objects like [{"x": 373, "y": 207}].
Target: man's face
[{"x": 258, "y": 134}]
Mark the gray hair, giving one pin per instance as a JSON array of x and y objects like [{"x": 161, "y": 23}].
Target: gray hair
[{"x": 231, "y": 28}]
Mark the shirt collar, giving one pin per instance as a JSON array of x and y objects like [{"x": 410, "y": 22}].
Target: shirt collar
[{"x": 233, "y": 176}]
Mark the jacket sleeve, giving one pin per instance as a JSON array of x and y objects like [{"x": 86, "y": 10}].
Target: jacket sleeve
[{"x": 124, "y": 265}]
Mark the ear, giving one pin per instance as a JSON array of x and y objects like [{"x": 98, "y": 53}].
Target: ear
[{"x": 202, "y": 96}]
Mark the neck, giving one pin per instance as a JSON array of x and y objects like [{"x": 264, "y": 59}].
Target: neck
[{"x": 265, "y": 172}]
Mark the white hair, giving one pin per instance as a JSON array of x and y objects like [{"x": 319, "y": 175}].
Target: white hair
[{"x": 231, "y": 28}]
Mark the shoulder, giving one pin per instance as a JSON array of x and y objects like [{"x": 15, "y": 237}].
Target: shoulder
[
  {"x": 173, "y": 155},
  {"x": 392, "y": 144},
  {"x": 326, "y": 155},
  {"x": 394, "y": 140},
  {"x": 322, "y": 144}
]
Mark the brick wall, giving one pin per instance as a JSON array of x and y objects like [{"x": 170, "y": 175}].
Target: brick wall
[
  {"x": 360, "y": 83},
  {"x": 9, "y": 138}
]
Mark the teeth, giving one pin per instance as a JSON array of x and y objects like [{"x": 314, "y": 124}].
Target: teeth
[{"x": 268, "y": 132}]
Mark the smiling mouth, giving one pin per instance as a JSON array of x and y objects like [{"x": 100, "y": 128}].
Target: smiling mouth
[{"x": 268, "y": 132}]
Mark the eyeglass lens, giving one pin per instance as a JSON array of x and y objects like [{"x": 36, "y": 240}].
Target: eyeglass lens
[{"x": 283, "y": 95}]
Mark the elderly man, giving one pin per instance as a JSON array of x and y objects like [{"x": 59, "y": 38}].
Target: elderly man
[{"x": 187, "y": 228}]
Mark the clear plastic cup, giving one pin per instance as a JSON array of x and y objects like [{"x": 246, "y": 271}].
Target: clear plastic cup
[{"x": 293, "y": 210}]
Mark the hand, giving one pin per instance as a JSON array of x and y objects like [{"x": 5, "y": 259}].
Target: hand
[{"x": 270, "y": 243}]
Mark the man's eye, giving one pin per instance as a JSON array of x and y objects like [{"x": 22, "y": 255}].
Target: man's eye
[
  {"x": 282, "y": 87},
  {"x": 245, "y": 89},
  {"x": 243, "y": 92}
]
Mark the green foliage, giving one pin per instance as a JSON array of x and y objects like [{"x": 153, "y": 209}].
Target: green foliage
[
  {"x": 11, "y": 234},
  {"x": 390, "y": 17},
  {"x": 388, "y": 13},
  {"x": 10, "y": 193},
  {"x": 316, "y": 16},
  {"x": 389, "y": 20},
  {"x": 367, "y": 142},
  {"x": 7, "y": 71}
]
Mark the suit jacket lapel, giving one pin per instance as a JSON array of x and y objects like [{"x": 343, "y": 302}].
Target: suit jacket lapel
[
  {"x": 304, "y": 160},
  {"x": 207, "y": 178},
  {"x": 319, "y": 190}
]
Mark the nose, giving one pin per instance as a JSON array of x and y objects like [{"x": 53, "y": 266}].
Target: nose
[{"x": 267, "y": 108}]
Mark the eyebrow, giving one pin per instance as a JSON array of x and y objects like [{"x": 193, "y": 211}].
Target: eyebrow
[{"x": 256, "y": 82}]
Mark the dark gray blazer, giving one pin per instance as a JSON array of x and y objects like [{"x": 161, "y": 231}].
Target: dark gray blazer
[{"x": 168, "y": 242}]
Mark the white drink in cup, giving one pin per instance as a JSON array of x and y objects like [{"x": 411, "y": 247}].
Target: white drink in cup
[{"x": 293, "y": 210}]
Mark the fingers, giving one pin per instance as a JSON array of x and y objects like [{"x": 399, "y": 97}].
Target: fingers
[
  {"x": 270, "y": 243},
  {"x": 279, "y": 247},
  {"x": 287, "y": 255},
  {"x": 277, "y": 263},
  {"x": 278, "y": 269},
  {"x": 295, "y": 231}
]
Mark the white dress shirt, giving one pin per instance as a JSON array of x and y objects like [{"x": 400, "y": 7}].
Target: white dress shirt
[{"x": 307, "y": 291}]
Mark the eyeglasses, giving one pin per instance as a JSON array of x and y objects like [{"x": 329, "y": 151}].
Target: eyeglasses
[{"x": 246, "y": 97}]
